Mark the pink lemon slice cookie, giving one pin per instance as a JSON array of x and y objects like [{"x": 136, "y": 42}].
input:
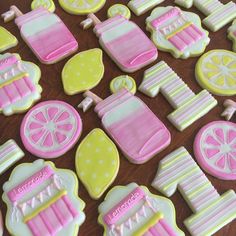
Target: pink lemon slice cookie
[
  {"x": 215, "y": 149},
  {"x": 50, "y": 129}
]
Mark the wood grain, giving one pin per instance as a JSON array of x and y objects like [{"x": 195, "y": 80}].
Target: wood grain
[{"x": 52, "y": 89}]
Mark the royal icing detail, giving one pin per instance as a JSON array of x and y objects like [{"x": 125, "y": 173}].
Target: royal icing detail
[
  {"x": 82, "y": 7},
  {"x": 133, "y": 210},
  {"x": 19, "y": 87},
  {"x": 10, "y": 153},
  {"x": 119, "y": 37},
  {"x": 97, "y": 162},
  {"x": 177, "y": 32},
  {"x": 189, "y": 107},
  {"x": 218, "y": 14},
  {"x": 42, "y": 200},
  {"x": 215, "y": 149},
  {"x": 83, "y": 71},
  {"x": 232, "y": 34},
  {"x": 230, "y": 109},
  {"x": 123, "y": 81},
  {"x": 50, "y": 129},
  {"x": 7, "y": 40},
  {"x": 46, "y": 35},
  {"x": 119, "y": 9},
  {"x": 212, "y": 211},
  {"x": 48, "y": 4},
  {"x": 133, "y": 126},
  {"x": 184, "y": 3},
  {"x": 216, "y": 72},
  {"x": 139, "y": 7}
]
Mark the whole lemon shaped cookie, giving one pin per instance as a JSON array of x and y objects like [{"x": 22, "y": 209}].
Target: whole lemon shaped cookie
[{"x": 216, "y": 72}]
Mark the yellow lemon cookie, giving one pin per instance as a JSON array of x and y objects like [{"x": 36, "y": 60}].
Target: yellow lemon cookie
[
  {"x": 7, "y": 40},
  {"x": 216, "y": 72},
  {"x": 82, "y": 7},
  {"x": 123, "y": 81},
  {"x": 97, "y": 162},
  {"x": 119, "y": 9},
  {"x": 48, "y": 4},
  {"x": 83, "y": 71}
]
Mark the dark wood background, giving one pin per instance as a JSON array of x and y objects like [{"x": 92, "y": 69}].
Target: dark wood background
[{"x": 52, "y": 89}]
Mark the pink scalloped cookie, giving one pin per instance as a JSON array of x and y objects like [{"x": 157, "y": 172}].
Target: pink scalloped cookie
[
  {"x": 42, "y": 201},
  {"x": 215, "y": 149},
  {"x": 50, "y": 129}
]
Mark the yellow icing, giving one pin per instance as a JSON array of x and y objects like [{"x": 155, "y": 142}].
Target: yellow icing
[
  {"x": 123, "y": 81},
  {"x": 45, "y": 206},
  {"x": 119, "y": 9},
  {"x": 7, "y": 40},
  {"x": 97, "y": 162},
  {"x": 83, "y": 71},
  {"x": 82, "y": 7},
  {"x": 143, "y": 229},
  {"x": 48, "y": 4},
  {"x": 216, "y": 72}
]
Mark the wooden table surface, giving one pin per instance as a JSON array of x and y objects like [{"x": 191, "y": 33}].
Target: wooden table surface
[{"x": 52, "y": 89}]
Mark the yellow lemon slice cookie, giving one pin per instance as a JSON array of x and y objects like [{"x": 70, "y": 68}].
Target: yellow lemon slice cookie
[
  {"x": 216, "y": 72},
  {"x": 82, "y": 7},
  {"x": 48, "y": 4},
  {"x": 7, "y": 40},
  {"x": 119, "y": 9},
  {"x": 97, "y": 162},
  {"x": 123, "y": 81},
  {"x": 83, "y": 71}
]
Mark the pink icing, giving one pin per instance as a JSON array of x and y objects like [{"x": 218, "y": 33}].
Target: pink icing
[
  {"x": 223, "y": 133},
  {"x": 123, "y": 49},
  {"x": 29, "y": 184},
  {"x": 50, "y": 44},
  {"x": 165, "y": 17},
  {"x": 141, "y": 134},
  {"x": 51, "y": 220},
  {"x": 6, "y": 62},
  {"x": 124, "y": 206},
  {"x": 161, "y": 228}
]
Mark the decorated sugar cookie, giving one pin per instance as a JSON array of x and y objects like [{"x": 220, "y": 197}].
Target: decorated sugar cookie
[
  {"x": 133, "y": 210},
  {"x": 218, "y": 14},
  {"x": 119, "y": 9},
  {"x": 82, "y": 7},
  {"x": 83, "y": 71},
  {"x": 232, "y": 34},
  {"x": 189, "y": 107},
  {"x": 132, "y": 125},
  {"x": 7, "y": 40},
  {"x": 230, "y": 109},
  {"x": 19, "y": 87},
  {"x": 184, "y": 3},
  {"x": 140, "y": 7},
  {"x": 42, "y": 200},
  {"x": 215, "y": 149},
  {"x": 10, "y": 153},
  {"x": 212, "y": 211},
  {"x": 45, "y": 33},
  {"x": 123, "y": 81},
  {"x": 50, "y": 129},
  {"x": 97, "y": 162},
  {"x": 216, "y": 72},
  {"x": 48, "y": 4},
  {"x": 177, "y": 32},
  {"x": 119, "y": 37}
]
